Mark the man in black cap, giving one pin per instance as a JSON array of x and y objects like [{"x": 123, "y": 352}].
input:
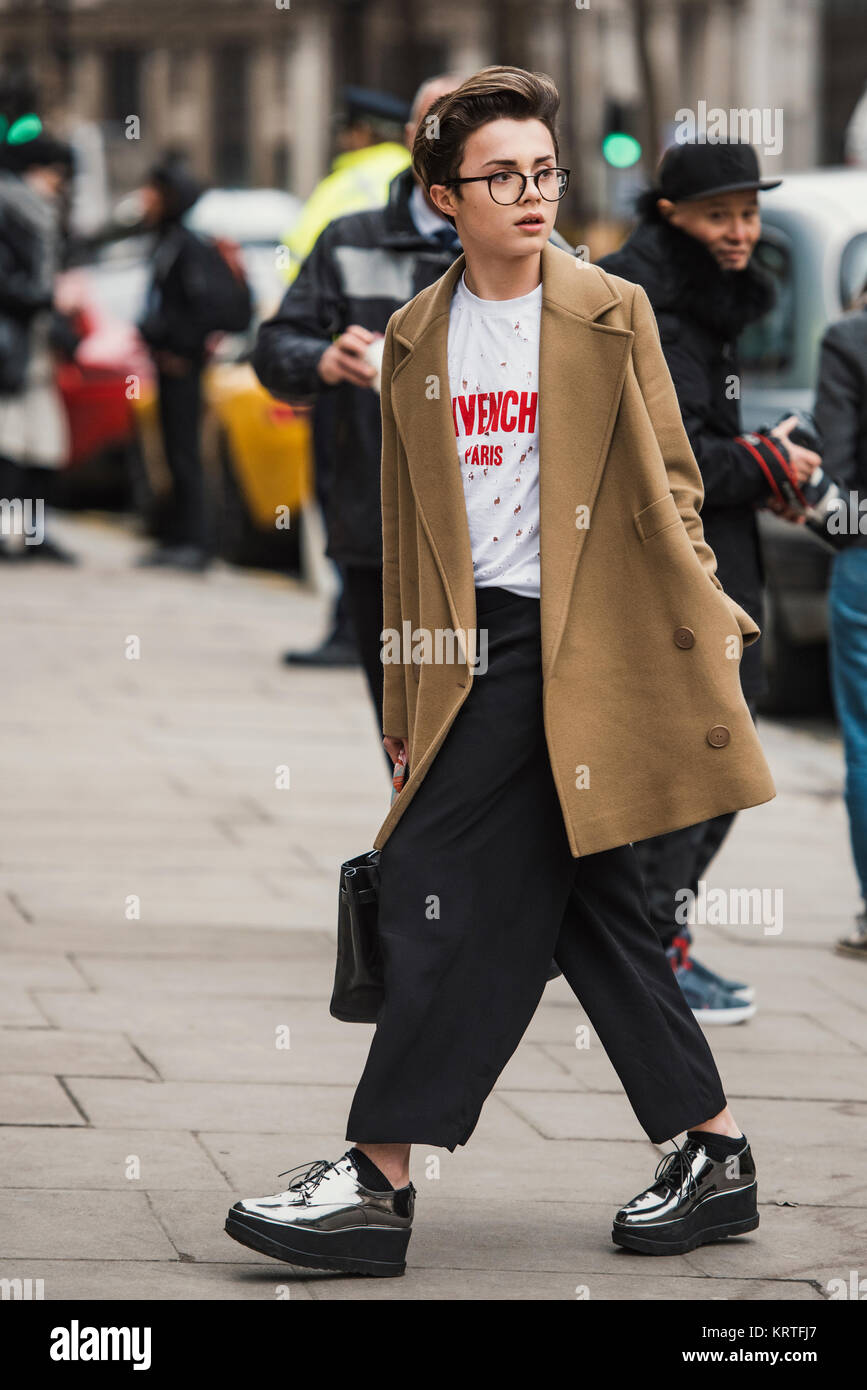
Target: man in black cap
[
  {"x": 369, "y": 153},
  {"x": 691, "y": 252}
]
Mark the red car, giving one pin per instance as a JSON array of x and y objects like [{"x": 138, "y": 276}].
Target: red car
[{"x": 109, "y": 370}]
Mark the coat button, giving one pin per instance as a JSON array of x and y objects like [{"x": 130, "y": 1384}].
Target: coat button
[
  {"x": 718, "y": 736},
  {"x": 684, "y": 637}
]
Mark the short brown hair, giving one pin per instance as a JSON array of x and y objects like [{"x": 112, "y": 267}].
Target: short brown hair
[{"x": 494, "y": 94}]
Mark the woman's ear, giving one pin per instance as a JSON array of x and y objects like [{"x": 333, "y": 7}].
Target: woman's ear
[{"x": 442, "y": 198}]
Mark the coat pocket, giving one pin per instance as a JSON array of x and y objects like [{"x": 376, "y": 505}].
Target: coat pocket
[
  {"x": 653, "y": 519},
  {"x": 750, "y": 630}
]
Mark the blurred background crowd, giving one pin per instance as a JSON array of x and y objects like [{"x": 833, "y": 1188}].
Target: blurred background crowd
[
  {"x": 207, "y": 216},
  {"x": 241, "y": 110},
  {"x": 167, "y": 171}
]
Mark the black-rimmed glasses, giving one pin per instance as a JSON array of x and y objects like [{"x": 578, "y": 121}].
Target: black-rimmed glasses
[{"x": 508, "y": 186}]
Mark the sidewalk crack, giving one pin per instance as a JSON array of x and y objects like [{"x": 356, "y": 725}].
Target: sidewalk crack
[
  {"x": 183, "y": 1257},
  {"x": 20, "y": 908},
  {"x": 147, "y": 1061},
  {"x": 61, "y": 1081}
]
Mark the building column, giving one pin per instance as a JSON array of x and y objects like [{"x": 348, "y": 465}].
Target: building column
[
  {"x": 663, "y": 42},
  {"x": 262, "y": 103},
  {"x": 767, "y": 29},
  {"x": 588, "y": 95},
  {"x": 156, "y": 122},
  {"x": 310, "y": 101},
  {"x": 87, "y": 94},
  {"x": 202, "y": 89}
]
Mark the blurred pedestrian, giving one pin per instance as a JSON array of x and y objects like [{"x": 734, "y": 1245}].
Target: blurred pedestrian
[
  {"x": 371, "y": 151},
  {"x": 176, "y": 337},
  {"x": 34, "y": 432},
  {"x": 841, "y": 415},
  {"x": 691, "y": 251},
  {"x": 369, "y": 136}
]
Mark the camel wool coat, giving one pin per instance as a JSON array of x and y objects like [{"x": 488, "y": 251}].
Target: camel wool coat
[{"x": 645, "y": 721}]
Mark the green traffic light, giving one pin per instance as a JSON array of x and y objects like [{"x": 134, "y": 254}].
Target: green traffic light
[
  {"x": 620, "y": 150},
  {"x": 24, "y": 129}
]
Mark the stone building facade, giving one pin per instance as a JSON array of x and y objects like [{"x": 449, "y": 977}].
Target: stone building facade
[{"x": 247, "y": 88}]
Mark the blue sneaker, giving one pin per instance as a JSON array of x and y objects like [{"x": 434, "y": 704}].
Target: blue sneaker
[
  {"x": 745, "y": 993},
  {"x": 742, "y": 991},
  {"x": 856, "y": 944},
  {"x": 710, "y": 1003}
]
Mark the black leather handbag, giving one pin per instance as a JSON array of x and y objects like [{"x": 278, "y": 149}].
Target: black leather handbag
[{"x": 358, "y": 981}]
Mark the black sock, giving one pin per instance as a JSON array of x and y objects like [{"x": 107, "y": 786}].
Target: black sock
[
  {"x": 369, "y": 1173},
  {"x": 718, "y": 1146}
]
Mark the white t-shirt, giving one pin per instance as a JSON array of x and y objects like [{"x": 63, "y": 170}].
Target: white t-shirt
[{"x": 493, "y": 361}]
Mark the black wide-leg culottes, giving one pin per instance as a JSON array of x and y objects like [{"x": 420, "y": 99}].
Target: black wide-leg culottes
[{"x": 478, "y": 891}]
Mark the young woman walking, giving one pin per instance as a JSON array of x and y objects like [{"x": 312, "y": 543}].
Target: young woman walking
[{"x": 540, "y": 498}]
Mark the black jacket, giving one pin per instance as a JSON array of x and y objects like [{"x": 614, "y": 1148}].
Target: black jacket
[
  {"x": 841, "y": 405},
  {"x": 179, "y": 279},
  {"x": 24, "y": 291},
  {"x": 181, "y": 265},
  {"x": 701, "y": 309}
]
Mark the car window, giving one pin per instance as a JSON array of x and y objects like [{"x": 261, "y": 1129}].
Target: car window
[
  {"x": 256, "y": 216},
  {"x": 853, "y": 269},
  {"x": 766, "y": 346},
  {"x": 119, "y": 288}
]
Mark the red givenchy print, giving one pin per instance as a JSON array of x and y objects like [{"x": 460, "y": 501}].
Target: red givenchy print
[
  {"x": 499, "y": 411},
  {"x": 493, "y": 365}
]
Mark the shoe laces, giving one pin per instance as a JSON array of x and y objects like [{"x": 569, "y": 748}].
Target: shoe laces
[
  {"x": 675, "y": 1167},
  {"x": 310, "y": 1175},
  {"x": 682, "y": 945}
]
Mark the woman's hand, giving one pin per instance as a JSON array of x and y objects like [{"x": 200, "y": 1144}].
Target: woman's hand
[{"x": 394, "y": 747}]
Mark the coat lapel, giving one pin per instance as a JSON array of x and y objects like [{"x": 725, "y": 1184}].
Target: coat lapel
[
  {"x": 422, "y": 406},
  {"x": 582, "y": 366}
]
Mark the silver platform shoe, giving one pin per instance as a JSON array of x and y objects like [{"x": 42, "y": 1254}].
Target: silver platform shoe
[
  {"x": 695, "y": 1199},
  {"x": 328, "y": 1219}
]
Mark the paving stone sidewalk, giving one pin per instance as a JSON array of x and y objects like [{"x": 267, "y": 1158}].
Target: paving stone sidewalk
[{"x": 142, "y": 1088}]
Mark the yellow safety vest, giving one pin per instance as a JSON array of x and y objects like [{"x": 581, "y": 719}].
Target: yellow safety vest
[{"x": 359, "y": 179}]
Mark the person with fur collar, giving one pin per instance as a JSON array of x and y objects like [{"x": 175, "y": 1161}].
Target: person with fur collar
[{"x": 691, "y": 251}]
